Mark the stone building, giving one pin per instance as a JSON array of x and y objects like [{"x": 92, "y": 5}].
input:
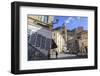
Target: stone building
[
  {"x": 78, "y": 43},
  {"x": 83, "y": 43},
  {"x": 59, "y": 40},
  {"x": 59, "y": 35},
  {"x": 39, "y": 36},
  {"x": 41, "y": 20}
]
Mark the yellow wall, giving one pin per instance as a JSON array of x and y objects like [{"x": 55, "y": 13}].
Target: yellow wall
[{"x": 58, "y": 40}]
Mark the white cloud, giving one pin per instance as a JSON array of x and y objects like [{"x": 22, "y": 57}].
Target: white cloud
[{"x": 68, "y": 20}]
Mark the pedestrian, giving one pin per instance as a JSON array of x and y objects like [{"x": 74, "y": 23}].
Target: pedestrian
[
  {"x": 56, "y": 54},
  {"x": 49, "y": 54}
]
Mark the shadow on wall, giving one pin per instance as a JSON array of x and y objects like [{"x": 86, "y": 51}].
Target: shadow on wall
[{"x": 39, "y": 44}]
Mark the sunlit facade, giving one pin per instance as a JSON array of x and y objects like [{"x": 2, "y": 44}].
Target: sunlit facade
[{"x": 59, "y": 40}]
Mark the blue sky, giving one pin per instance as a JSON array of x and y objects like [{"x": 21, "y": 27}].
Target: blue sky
[{"x": 71, "y": 22}]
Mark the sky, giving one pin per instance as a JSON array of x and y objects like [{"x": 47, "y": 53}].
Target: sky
[{"x": 71, "y": 22}]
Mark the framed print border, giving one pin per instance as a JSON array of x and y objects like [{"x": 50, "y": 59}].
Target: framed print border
[{"x": 15, "y": 37}]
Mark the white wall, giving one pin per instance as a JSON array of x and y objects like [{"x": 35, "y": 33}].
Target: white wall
[{"x": 5, "y": 41}]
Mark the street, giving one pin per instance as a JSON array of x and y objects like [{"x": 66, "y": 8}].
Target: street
[{"x": 65, "y": 56}]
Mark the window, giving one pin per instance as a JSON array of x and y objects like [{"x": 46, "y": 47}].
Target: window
[
  {"x": 38, "y": 40},
  {"x": 78, "y": 37},
  {"x": 48, "y": 44},
  {"x": 28, "y": 34},
  {"x": 63, "y": 32},
  {"x": 42, "y": 19},
  {"x": 29, "y": 31},
  {"x": 42, "y": 42},
  {"x": 54, "y": 34},
  {"x": 33, "y": 39},
  {"x": 45, "y": 19}
]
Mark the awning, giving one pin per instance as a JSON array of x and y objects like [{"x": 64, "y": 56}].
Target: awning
[{"x": 53, "y": 44}]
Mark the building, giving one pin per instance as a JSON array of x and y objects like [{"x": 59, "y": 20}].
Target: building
[
  {"x": 59, "y": 35},
  {"x": 45, "y": 20},
  {"x": 63, "y": 31},
  {"x": 73, "y": 46},
  {"x": 83, "y": 43},
  {"x": 78, "y": 43},
  {"x": 39, "y": 36},
  {"x": 59, "y": 40}
]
